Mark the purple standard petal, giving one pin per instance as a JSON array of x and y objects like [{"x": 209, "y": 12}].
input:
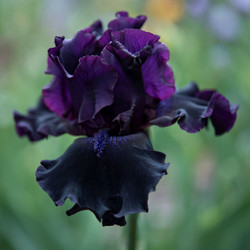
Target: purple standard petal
[
  {"x": 192, "y": 108},
  {"x": 123, "y": 21},
  {"x": 95, "y": 28},
  {"x": 132, "y": 107},
  {"x": 111, "y": 176},
  {"x": 41, "y": 122},
  {"x": 67, "y": 52},
  {"x": 128, "y": 107},
  {"x": 57, "y": 97},
  {"x": 84, "y": 43},
  {"x": 157, "y": 74},
  {"x": 56, "y": 94},
  {"x": 135, "y": 40},
  {"x": 54, "y": 66},
  {"x": 104, "y": 40},
  {"x": 91, "y": 87}
]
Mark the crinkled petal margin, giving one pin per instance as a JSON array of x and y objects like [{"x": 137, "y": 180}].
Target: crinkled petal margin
[
  {"x": 108, "y": 175},
  {"x": 123, "y": 21},
  {"x": 192, "y": 108},
  {"x": 157, "y": 74},
  {"x": 92, "y": 87}
]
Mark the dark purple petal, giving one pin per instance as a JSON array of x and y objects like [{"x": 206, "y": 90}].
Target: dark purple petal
[
  {"x": 131, "y": 47},
  {"x": 57, "y": 97},
  {"x": 129, "y": 96},
  {"x": 223, "y": 115},
  {"x": 123, "y": 21},
  {"x": 54, "y": 66},
  {"x": 192, "y": 108},
  {"x": 95, "y": 28},
  {"x": 56, "y": 94},
  {"x": 91, "y": 87},
  {"x": 157, "y": 75},
  {"x": 135, "y": 40},
  {"x": 125, "y": 58},
  {"x": 131, "y": 109},
  {"x": 64, "y": 58},
  {"x": 41, "y": 122},
  {"x": 111, "y": 176},
  {"x": 188, "y": 111},
  {"x": 84, "y": 43},
  {"x": 104, "y": 40}
]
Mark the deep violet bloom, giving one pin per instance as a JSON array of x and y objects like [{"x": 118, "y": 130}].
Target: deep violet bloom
[{"x": 111, "y": 86}]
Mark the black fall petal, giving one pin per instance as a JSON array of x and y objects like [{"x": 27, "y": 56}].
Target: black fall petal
[
  {"x": 111, "y": 176},
  {"x": 41, "y": 122}
]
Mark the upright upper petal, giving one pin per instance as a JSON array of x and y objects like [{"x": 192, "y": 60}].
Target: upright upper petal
[
  {"x": 57, "y": 97},
  {"x": 83, "y": 43},
  {"x": 92, "y": 87},
  {"x": 127, "y": 109},
  {"x": 157, "y": 74},
  {"x": 111, "y": 176},
  {"x": 135, "y": 40},
  {"x": 95, "y": 28},
  {"x": 123, "y": 21}
]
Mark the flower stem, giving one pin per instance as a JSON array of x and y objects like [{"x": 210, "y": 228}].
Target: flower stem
[{"x": 132, "y": 231}]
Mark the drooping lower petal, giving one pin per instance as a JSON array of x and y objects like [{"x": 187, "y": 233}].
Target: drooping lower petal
[
  {"x": 111, "y": 176},
  {"x": 192, "y": 109},
  {"x": 41, "y": 122},
  {"x": 224, "y": 115}
]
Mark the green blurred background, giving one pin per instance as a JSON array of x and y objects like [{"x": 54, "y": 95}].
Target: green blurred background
[{"x": 204, "y": 202}]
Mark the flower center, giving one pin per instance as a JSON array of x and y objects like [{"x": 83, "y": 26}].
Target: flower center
[
  {"x": 99, "y": 142},
  {"x": 101, "y": 139}
]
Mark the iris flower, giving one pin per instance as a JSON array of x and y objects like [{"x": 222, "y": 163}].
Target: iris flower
[{"x": 110, "y": 86}]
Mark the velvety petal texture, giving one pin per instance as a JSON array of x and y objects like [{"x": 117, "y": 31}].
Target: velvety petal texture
[
  {"x": 41, "y": 122},
  {"x": 192, "y": 108},
  {"x": 109, "y": 175},
  {"x": 91, "y": 87}
]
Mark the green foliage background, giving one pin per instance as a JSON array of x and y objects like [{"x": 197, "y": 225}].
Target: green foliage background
[{"x": 203, "y": 203}]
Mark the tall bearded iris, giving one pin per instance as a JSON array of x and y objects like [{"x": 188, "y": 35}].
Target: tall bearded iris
[{"x": 110, "y": 86}]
